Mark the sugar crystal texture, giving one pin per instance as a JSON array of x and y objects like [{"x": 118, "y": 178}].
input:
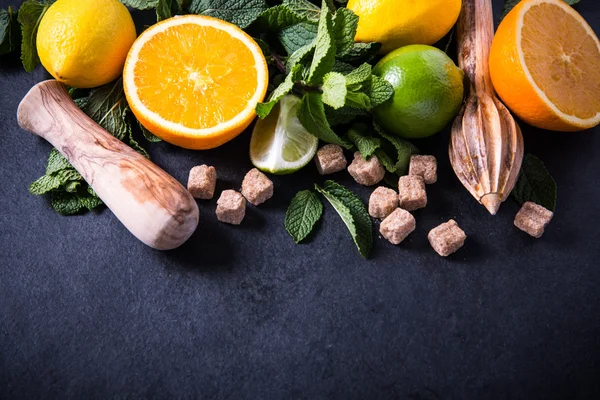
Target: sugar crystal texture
[
  {"x": 231, "y": 207},
  {"x": 397, "y": 226},
  {"x": 447, "y": 238},
  {"x": 425, "y": 167},
  {"x": 383, "y": 202},
  {"x": 411, "y": 191},
  {"x": 202, "y": 181},
  {"x": 533, "y": 218},
  {"x": 366, "y": 172},
  {"x": 256, "y": 187},
  {"x": 330, "y": 159}
]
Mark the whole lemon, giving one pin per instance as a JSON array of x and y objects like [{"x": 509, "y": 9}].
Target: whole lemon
[
  {"x": 396, "y": 23},
  {"x": 428, "y": 91},
  {"x": 84, "y": 43}
]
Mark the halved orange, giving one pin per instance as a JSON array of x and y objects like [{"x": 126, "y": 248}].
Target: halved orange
[
  {"x": 194, "y": 81},
  {"x": 545, "y": 65}
]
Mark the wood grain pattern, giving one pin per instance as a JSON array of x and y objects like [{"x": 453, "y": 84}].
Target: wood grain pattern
[
  {"x": 486, "y": 145},
  {"x": 155, "y": 208}
]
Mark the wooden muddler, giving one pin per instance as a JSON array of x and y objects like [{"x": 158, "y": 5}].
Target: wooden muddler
[
  {"x": 156, "y": 208},
  {"x": 486, "y": 145}
]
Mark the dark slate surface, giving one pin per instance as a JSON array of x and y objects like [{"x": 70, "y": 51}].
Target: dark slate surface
[{"x": 87, "y": 311}]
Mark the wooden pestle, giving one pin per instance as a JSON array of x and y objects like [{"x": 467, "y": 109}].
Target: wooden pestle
[
  {"x": 156, "y": 208},
  {"x": 486, "y": 145}
]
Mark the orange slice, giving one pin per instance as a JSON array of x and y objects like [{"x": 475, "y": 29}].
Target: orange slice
[
  {"x": 545, "y": 65},
  {"x": 194, "y": 81}
]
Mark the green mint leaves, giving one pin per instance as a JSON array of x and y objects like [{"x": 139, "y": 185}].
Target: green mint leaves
[
  {"x": 311, "y": 114},
  {"x": 70, "y": 194},
  {"x": 30, "y": 16},
  {"x": 302, "y": 214},
  {"x": 353, "y": 212},
  {"x": 140, "y": 4},
  {"x": 535, "y": 184},
  {"x": 9, "y": 31},
  {"x": 168, "y": 8},
  {"x": 239, "y": 12}
]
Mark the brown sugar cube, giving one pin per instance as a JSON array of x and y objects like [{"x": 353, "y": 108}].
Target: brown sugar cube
[
  {"x": 383, "y": 202},
  {"x": 256, "y": 187},
  {"x": 330, "y": 159},
  {"x": 367, "y": 173},
  {"x": 202, "y": 181},
  {"x": 397, "y": 226},
  {"x": 533, "y": 218},
  {"x": 231, "y": 207},
  {"x": 411, "y": 189},
  {"x": 424, "y": 166},
  {"x": 447, "y": 238}
]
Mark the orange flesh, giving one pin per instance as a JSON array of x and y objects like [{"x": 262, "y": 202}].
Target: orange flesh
[
  {"x": 565, "y": 66},
  {"x": 203, "y": 63}
]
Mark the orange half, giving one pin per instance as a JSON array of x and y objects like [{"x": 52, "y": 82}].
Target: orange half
[
  {"x": 545, "y": 65},
  {"x": 194, "y": 81}
]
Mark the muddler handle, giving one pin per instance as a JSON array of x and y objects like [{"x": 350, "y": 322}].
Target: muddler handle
[{"x": 156, "y": 208}]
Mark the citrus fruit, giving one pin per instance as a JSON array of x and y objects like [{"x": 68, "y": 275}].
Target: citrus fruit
[
  {"x": 194, "y": 80},
  {"x": 396, "y": 23},
  {"x": 280, "y": 144},
  {"x": 84, "y": 43},
  {"x": 545, "y": 65},
  {"x": 428, "y": 91}
]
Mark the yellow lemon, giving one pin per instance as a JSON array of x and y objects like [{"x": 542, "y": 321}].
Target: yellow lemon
[
  {"x": 396, "y": 23},
  {"x": 84, "y": 43}
]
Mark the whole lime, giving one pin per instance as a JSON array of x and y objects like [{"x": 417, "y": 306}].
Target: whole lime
[{"x": 428, "y": 91}]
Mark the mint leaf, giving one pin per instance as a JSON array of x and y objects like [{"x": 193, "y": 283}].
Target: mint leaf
[
  {"x": 353, "y": 212},
  {"x": 403, "y": 152},
  {"x": 535, "y": 184},
  {"x": 239, "y": 12},
  {"x": 264, "y": 109},
  {"x": 334, "y": 90},
  {"x": 358, "y": 100},
  {"x": 30, "y": 15},
  {"x": 140, "y": 4},
  {"x": 67, "y": 203},
  {"x": 299, "y": 56},
  {"x": 342, "y": 67},
  {"x": 149, "y": 136},
  {"x": 359, "y": 75},
  {"x": 311, "y": 114},
  {"x": 278, "y": 18},
  {"x": 56, "y": 162},
  {"x": 362, "y": 52},
  {"x": 297, "y": 36},
  {"x": 168, "y": 8},
  {"x": 302, "y": 214},
  {"x": 366, "y": 145},
  {"x": 345, "y": 23},
  {"x": 48, "y": 183},
  {"x": 343, "y": 115},
  {"x": 380, "y": 91},
  {"x": 304, "y": 8},
  {"x": 107, "y": 106},
  {"x": 324, "y": 56},
  {"x": 9, "y": 31}
]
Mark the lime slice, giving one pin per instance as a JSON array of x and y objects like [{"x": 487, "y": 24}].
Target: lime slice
[{"x": 280, "y": 144}]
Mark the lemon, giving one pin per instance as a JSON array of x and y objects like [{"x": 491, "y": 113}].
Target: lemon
[
  {"x": 84, "y": 43},
  {"x": 280, "y": 144},
  {"x": 396, "y": 23},
  {"x": 428, "y": 91}
]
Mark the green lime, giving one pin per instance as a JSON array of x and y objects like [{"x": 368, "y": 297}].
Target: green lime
[
  {"x": 280, "y": 144},
  {"x": 428, "y": 91}
]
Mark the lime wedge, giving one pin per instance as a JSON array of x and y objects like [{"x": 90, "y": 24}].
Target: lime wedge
[{"x": 280, "y": 144}]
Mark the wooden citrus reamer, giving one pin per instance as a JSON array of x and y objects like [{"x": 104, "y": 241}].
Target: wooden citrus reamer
[
  {"x": 156, "y": 208},
  {"x": 486, "y": 145}
]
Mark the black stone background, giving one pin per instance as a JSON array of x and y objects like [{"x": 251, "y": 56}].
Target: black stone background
[{"x": 88, "y": 312}]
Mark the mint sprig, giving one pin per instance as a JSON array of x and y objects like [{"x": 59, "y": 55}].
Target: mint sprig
[
  {"x": 239, "y": 12},
  {"x": 9, "y": 31},
  {"x": 353, "y": 212},
  {"x": 302, "y": 214},
  {"x": 535, "y": 184},
  {"x": 30, "y": 16}
]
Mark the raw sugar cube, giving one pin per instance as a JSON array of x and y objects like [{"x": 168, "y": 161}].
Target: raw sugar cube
[
  {"x": 383, "y": 202},
  {"x": 202, "y": 181},
  {"x": 231, "y": 207},
  {"x": 397, "y": 226},
  {"x": 256, "y": 187},
  {"x": 367, "y": 173},
  {"x": 533, "y": 218},
  {"x": 424, "y": 166},
  {"x": 412, "y": 194},
  {"x": 330, "y": 159},
  {"x": 447, "y": 238}
]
